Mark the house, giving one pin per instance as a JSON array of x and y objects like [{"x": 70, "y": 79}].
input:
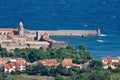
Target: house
[
  {"x": 8, "y": 68},
  {"x": 106, "y": 60},
  {"x": 14, "y": 66},
  {"x": 4, "y": 60},
  {"x": 116, "y": 60},
  {"x": 20, "y": 65},
  {"x": 109, "y": 62},
  {"x": 67, "y": 63},
  {"x": 50, "y": 62}
]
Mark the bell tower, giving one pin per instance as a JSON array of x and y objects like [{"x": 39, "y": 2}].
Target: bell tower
[{"x": 20, "y": 29}]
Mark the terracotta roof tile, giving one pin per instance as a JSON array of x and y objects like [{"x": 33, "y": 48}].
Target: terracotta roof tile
[
  {"x": 11, "y": 64},
  {"x": 107, "y": 59},
  {"x": 67, "y": 62},
  {"x": 20, "y": 63},
  {"x": 4, "y": 60},
  {"x": 7, "y": 66},
  {"x": 50, "y": 62}
]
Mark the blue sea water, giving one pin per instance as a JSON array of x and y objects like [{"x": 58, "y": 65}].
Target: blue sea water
[{"x": 69, "y": 14}]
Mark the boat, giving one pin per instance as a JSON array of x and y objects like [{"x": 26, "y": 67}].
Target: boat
[{"x": 100, "y": 41}]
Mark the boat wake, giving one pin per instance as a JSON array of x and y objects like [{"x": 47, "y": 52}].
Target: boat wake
[
  {"x": 103, "y": 35},
  {"x": 101, "y": 41}
]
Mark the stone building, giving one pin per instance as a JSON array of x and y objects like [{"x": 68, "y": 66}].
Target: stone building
[{"x": 11, "y": 38}]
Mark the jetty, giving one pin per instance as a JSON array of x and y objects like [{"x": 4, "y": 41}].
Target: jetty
[{"x": 82, "y": 33}]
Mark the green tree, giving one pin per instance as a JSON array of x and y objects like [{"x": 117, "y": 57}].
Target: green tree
[
  {"x": 82, "y": 47},
  {"x": 97, "y": 64},
  {"x": 30, "y": 69},
  {"x": 3, "y": 75},
  {"x": 79, "y": 77},
  {"x": 70, "y": 47},
  {"x": 59, "y": 77},
  {"x": 117, "y": 70},
  {"x": 99, "y": 75}
]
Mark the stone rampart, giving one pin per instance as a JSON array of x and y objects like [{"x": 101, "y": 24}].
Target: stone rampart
[{"x": 84, "y": 33}]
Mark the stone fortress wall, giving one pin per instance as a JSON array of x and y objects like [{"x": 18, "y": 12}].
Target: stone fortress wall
[
  {"x": 83, "y": 33},
  {"x": 11, "y": 38}
]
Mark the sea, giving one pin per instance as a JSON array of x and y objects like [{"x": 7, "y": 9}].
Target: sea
[{"x": 69, "y": 15}]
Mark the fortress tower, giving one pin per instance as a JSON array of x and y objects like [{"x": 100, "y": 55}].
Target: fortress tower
[{"x": 20, "y": 29}]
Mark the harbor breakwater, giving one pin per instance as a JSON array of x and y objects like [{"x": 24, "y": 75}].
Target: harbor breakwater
[{"x": 82, "y": 33}]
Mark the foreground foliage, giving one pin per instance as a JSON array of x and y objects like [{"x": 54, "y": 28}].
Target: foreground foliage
[
  {"x": 32, "y": 54},
  {"x": 72, "y": 73},
  {"x": 28, "y": 77},
  {"x": 115, "y": 76},
  {"x": 3, "y": 76}
]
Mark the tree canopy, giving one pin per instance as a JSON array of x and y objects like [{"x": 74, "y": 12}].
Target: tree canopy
[{"x": 32, "y": 54}]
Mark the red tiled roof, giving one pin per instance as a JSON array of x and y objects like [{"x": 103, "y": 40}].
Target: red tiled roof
[
  {"x": 4, "y": 60},
  {"x": 7, "y": 66},
  {"x": 67, "y": 62},
  {"x": 8, "y": 29},
  {"x": 107, "y": 59},
  {"x": 11, "y": 64},
  {"x": 50, "y": 62},
  {"x": 20, "y": 63}
]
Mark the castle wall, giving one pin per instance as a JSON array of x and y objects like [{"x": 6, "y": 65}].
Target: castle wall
[
  {"x": 58, "y": 45},
  {"x": 37, "y": 45},
  {"x": 68, "y": 32}
]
